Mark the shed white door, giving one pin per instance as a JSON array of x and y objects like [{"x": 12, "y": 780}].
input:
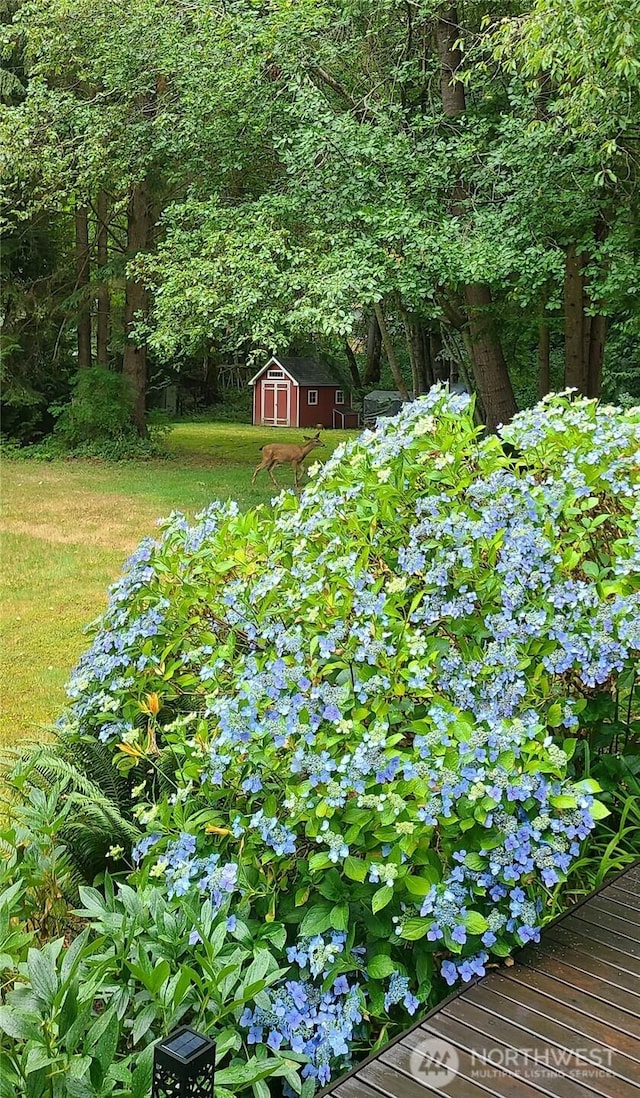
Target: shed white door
[{"x": 276, "y": 403}]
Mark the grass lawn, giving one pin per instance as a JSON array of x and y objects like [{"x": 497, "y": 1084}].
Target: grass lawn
[{"x": 68, "y": 526}]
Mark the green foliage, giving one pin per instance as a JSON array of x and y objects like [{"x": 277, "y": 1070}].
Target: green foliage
[
  {"x": 609, "y": 752},
  {"x": 59, "y": 1047},
  {"x": 66, "y": 809},
  {"x": 310, "y": 101},
  {"x": 97, "y": 422},
  {"x": 588, "y": 52},
  {"x": 81, "y": 1017},
  {"x": 36, "y": 363},
  {"x": 100, "y": 408},
  {"x": 622, "y": 377},
  {"x": 236, "y": 407},
  {"x": 281, "y": 262},
  {"x": 377, "y": 700},
  {"x": 79, "y": 1013},
  {"x": 15, "y": 937}
]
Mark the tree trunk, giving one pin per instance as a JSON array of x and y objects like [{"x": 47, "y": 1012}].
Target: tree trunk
[
  {"x": 353, "y": 366},
  {"x": 134, "y": 365},
  {"x": 447, "y": 34},
  {"x": 82, "y": 286},
  {"x": 417, "y": 335},
  {"x": 597, "y": 323},
  {"x": 489, "y": 367},
  {"x": 491, "y": 375},
  {"x": 210, "y": 379},
  {"x": 439, "y": 365},
  {"x": 586, "y": 330},
  {"x": 374, "y": 350},
  {"x": 409, "y": 325},
  {"x": 584, "y": 333},
  {"x": 575, "y": 363},
  {"x": 544, "y": 373},
  {"x": 390, "y": 352},
  {"x": 596, "y": 354},
  {"x": 426, "y": 365},
  {"x": 103, "y": 303}
]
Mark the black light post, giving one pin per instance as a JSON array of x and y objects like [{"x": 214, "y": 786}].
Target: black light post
[{"x": 183, "y": 1065}]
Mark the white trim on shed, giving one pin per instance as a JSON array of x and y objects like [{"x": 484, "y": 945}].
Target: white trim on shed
[{"x": 266, "y": 367}]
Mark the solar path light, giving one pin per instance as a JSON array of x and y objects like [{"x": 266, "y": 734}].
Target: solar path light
[{"x": 183, "y": 1065}]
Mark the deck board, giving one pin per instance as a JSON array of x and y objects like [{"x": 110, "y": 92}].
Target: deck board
[
  {"x": 521, "y": 1076},
  {"x": 483, "y": 1023},
  {"x": 605, "y": 935},
  {"x": 563, "y": 1022},
  {"x": 624, "y": 885},
  {"x": 583, "y": 948}
]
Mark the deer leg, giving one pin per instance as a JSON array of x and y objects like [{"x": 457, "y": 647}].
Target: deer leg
[
  {"x": 269, "y": 468},
  {"x": 257, "y": 469}
]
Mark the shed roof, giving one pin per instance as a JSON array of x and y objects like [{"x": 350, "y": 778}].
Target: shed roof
[{"x": 306, "y": 371}]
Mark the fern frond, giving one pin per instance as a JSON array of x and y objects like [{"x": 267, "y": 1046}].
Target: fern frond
[
  {"x": 79, "y": 769},
  {"x": 104, "y": 817}
]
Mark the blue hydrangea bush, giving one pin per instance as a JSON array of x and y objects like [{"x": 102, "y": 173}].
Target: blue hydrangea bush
[{"x": 368, "y": 699}]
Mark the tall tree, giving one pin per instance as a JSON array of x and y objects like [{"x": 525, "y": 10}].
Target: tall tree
[
  {"x": 490, "y": 370},
  {"x": 102, "y": 294},
  {"x": 390, "y": 351},
  {"x": 353, "y": 366},
  {"x": 134, "y": 364},
  {"x": 544, "y": 358},
  {"x": 374, "y": 349},
  {"x": 585, "y": 54},
  {"x": 83, "y": 278}
]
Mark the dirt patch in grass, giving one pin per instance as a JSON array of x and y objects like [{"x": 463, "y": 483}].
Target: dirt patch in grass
[{"x": 91, "y": 528}]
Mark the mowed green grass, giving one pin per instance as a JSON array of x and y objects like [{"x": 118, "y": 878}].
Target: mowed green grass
[{"x": 68, "y": 526}]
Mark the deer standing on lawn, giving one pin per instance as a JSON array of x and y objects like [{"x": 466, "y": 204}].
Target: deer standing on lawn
[{"x": 279, "y": 453}]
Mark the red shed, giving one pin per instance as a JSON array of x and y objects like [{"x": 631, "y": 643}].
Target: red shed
[{"x": 298, "y": 392}]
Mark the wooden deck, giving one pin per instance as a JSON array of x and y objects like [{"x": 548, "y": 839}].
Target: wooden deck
[{"x": 563, "y": 1022}]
